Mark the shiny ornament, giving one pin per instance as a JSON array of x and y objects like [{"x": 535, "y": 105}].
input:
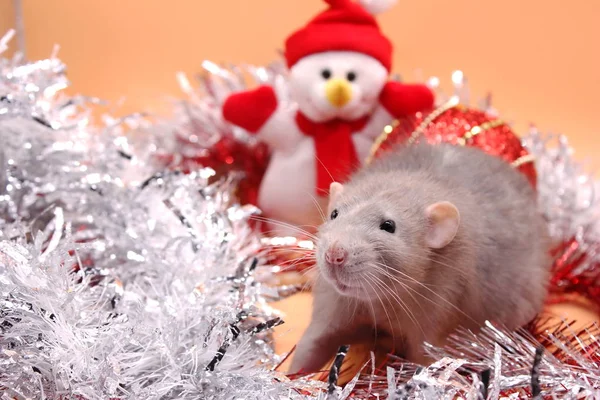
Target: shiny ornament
[{"x": 460, "y": 125}]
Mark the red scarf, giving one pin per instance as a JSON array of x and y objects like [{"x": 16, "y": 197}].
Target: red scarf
[{"x": 335, "y": 153}]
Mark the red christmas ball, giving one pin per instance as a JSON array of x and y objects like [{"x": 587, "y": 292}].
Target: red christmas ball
[{"x": 456, "y": 124}]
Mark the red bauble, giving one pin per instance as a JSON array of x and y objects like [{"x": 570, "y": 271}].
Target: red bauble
[{"x": 460, "y": 125}]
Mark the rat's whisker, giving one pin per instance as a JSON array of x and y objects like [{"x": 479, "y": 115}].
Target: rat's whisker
[
  {"x": 308, "y": 282},
  {"x": 292, "y": 247},
  {"x": 309, "y": 270},
  {"x": 360, "y": 282},
  {"x": 292, "y": 267},
  {"x": 306, "y": 256},
  {"x": 370, "y": 276},
  {"x": 301, "y": 258},
  {"x": 325, "y": 168},
  {"x": 355, "y": 301},
  {"x": 287, "y": 225},
  {"x": 400, "y": 302},
  {"x": 394, "y": 252},
  {"x": 385, "y": 270},
  {"x": 319, "y": 208},
  {"x": 419, "y": 257},
  {"x": 405, "y": 286},
  {"x": 369, "y": 281},
  {"x": 429, "y": 290}
]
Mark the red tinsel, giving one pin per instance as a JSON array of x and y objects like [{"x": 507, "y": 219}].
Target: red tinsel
[
  {"x": 573, "y": 273},
  {"x": 227, "y": 155}
]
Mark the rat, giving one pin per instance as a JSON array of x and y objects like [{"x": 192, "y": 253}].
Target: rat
[{"x": 426, "y": 239}]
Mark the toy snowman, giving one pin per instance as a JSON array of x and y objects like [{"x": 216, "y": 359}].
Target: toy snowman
[{"x": 339, "y": 66}]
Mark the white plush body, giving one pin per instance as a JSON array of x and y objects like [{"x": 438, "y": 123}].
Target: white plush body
[{"x": 287, "y": 192}]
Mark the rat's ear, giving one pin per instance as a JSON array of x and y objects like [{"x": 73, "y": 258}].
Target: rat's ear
[
  {"x": 335, "y": 190},
  {"x": 444, "y": 220}
]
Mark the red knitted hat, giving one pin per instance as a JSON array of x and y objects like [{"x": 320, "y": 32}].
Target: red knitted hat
[{"x": 344, "y": 26}]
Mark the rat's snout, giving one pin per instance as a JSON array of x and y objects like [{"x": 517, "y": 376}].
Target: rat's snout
[{"x": 336, "y": 255}]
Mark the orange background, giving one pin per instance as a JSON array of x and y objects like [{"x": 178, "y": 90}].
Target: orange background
[{"x": 539, "y": 57}]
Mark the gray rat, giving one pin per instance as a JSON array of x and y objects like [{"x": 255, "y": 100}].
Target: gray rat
[{"x": 425, "y": 239}]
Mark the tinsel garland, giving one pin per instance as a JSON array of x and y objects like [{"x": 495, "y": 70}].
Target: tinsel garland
[
  {"x": 114, "y": 287},
  {"x": 130, "y": 267}
]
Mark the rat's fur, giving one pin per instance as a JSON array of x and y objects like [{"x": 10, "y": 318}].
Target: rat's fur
[{"x": 496, "y": 268}]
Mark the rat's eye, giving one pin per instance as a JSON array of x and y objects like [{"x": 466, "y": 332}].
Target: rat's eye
[
  {"x": 326, "y": 73},
  {"x": 351, "y": 76},
  {"x": 334, "y": 214},
  {"x": 388, "y": 226}
]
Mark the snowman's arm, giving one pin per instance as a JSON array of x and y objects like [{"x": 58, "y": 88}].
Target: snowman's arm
[
  {"x": 259, "y": 112},
  {"x": 251, "y": 109},
  {"x": 401, "y": 99}
]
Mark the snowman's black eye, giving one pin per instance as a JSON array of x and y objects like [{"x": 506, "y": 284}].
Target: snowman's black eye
[
  {"x": 388, "y": 226},
  {"x": 326, "y": 74},
  {"x": 351, "y": 76},
  {"x": 334, "y": 214}
]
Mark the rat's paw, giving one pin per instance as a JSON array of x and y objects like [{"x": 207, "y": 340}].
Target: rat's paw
[
  {"x": 312, "y": 354},
  {"x": 307, "y": 359}
]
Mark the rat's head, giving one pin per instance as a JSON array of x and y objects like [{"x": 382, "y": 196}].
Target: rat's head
[
  {"x": 373, "y": 246},
  {"x": 337, "y": 84}
]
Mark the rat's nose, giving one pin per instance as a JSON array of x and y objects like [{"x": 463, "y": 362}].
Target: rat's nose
[{"x": 336, "y": 255}]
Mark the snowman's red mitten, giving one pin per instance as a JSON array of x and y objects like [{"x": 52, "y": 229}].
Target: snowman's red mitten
[
  {"x": 250, "y": 109},
  {"x": 400, "y": 99}
]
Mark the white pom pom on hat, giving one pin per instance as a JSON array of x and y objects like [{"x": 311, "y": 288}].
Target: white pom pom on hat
[{"x": 376, "y": 7}]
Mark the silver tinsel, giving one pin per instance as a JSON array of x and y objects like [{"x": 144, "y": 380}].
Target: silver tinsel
[
  {"x": 112, "y": 286},
  {"x": 122, "y": 279}
]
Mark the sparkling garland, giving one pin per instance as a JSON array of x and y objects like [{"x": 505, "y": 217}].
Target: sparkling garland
[
  {"x": 130, "y": 268},
  {"x": 115, "y": 287}
]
